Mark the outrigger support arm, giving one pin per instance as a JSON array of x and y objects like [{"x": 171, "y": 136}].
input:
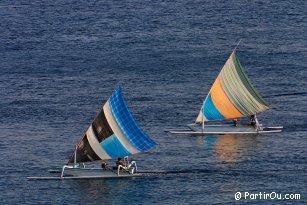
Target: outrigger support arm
[
  {"x": 129, "y": 167},
  {"x": 258, "y": 125}
]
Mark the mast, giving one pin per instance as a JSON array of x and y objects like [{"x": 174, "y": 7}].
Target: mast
[
  {"x": 75, "y": 156},
  {"x": 237, "y": 45},
  {"x": 202, "y": 119}
]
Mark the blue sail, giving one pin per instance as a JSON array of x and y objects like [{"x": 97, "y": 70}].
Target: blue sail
[
  {"x": 127, "y": 122},
  {"x": 113, "y": 133}
]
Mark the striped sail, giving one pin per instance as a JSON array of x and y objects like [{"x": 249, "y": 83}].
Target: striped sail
[
  {"x": 113, "y": 133},
  {"x": 232, "y": 95}
]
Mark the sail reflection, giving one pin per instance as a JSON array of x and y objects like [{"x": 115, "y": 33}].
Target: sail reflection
[{"x": 230, "y": 148}]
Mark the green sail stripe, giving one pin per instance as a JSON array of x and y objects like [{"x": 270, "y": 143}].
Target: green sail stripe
[
  {"x": 236, "y": 89},
  {"x": 233, "y": 91},
  {"x": 224, "y": 82},
  {"x": 251, "y": 103},
  {"x": 259, "y": 106},
  {"x": 248, "y": 84},
  {"x": 245, "y": 96},
  {"x": 242, "y": 96},
  {"x": 258, "y": 103}
]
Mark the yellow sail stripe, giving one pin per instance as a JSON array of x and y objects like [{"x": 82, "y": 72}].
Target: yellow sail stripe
[{"x": 222, "y": 103}]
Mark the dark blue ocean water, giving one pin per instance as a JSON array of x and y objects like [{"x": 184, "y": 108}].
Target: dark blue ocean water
[{"x": 61, "y": 60}]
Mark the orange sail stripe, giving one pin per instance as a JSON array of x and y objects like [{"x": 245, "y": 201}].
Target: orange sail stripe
[{"x": 222, "y": 103}]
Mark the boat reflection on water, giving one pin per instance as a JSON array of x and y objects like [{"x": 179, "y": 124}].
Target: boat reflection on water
[
  {"x": 102, "y": 191},
  {"x": 230, "y": 148}
]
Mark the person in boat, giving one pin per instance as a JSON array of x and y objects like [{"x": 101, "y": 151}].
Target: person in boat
[
  {"x": 252, "y": 120},
  {"x": 120, "y": 162},
  {"x": 104, "y": 165},
  {"x": 235, "y": 122}
]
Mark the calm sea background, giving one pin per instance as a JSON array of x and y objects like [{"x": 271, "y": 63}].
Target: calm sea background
[{"x": 61, "y": 60}]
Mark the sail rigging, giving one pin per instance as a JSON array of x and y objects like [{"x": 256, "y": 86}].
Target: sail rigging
[
  {"x": 113, "y": 133},
  {"x": 232, "y": 95}
]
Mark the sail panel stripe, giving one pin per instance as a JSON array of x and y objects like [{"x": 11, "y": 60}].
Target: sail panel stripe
[
  {"x": 251, "y": 103},
  {"x": 117, "y": 130},
  {"x": 233, "y": 89},
  {"x": 101, "y": 127},
  {"x": 222, "y": 103},
  {"x": 92, "y": 139},
  {"x": 211, "y": 112},
  {"x": 246, "y": 81},
  {"x": 85, "y": 153},
  {"x": 201, "y": 117},
  {"x": 128, "y": 124},
  {"x": 237, "y": 91},
  {"x": 114, "y": 148}
]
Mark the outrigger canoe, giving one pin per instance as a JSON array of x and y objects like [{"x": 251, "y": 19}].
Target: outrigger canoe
[
  {"x": 114, "y": 133},
  {"x": 231, "y": 97}
]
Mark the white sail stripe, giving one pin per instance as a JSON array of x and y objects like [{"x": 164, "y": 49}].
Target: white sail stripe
[
  {"x": 198, "y": 119},
  {"x": 116, "y": 129},
  {"x": 92, "y": 139},
  {"x": 201, "y": 118}
]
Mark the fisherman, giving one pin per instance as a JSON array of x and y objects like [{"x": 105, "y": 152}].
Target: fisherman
[
  {"x": 252, "y": 120},
  {"x": 120, "y": 162},
  {"x": 235, "y": 122},
  {"x": 104, "y": 165}
]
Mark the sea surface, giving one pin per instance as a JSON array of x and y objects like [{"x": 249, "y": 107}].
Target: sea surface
[{"x": 61, "y": 60}]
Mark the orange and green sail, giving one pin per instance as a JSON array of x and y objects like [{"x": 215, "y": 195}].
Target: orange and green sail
[{"x": 232, "y": 95}]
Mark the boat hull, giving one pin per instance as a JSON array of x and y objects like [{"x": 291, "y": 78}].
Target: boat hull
[
  {"x": 196, "y": 129},
  {"x": 222, "y": 128},
  {"x": 95, "y": 173}
]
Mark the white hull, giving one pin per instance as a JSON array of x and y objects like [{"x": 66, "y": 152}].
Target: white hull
[
  {"x": 196, "y": 129},
  {"x": 94, "y": 172},
  {"x": 87, "y": 173},
  {"x": 187, "y": 132},
  {"x": 81, "y": 172},
  {"x": 85, "y": 177}
]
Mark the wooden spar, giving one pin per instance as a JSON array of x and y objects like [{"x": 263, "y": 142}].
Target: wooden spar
[{"x": 237, "y": 45}]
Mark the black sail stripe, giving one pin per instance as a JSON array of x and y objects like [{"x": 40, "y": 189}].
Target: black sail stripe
[
  {"x": 102, "y": 130},
  {"x": 85, "y": 153},
  {"x": 101, "y": 127}
]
